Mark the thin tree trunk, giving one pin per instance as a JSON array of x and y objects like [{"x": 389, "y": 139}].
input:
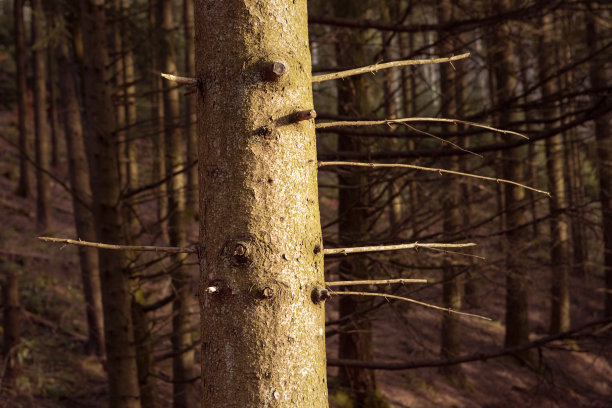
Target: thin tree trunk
[
  {"x": 52, "y": 76},
  {"x": 452, "y": 286},
  {"x": 603, "y": 136},
  {"x": 81, "y": 200},
  {"x": 559, "y": 225},
  {"x": 183, "y": 360},
  {"x": 25, "y": 172},
  {"x": 130, "y": 149},
  {"x": 191, "y": 191},
  {"x": 263, "y": 337},
  {"x": 517, "y": 308},
  {"x": 43, "y": 142},
  {"x": 106, "y": 186}
]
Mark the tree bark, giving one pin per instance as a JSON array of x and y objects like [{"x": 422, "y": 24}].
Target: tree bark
[
  {"x": 260, "y": 237},
  {"x": 81, "y": 200},
  {"x": 52, "y": 79},
  {"x": 43, "y": 143},
  {"x": 104, "y": 165},
  {"x": 25, "y": 171},
  {"x": 603, "y": 137}
]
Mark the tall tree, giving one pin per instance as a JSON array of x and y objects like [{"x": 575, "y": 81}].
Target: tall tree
[
  {"x": 260, "y": 239},
  {"x": 43, "y": 143},
  {"x": 81, "y": 199},
  {"x": 452, "y": 222},
  {"x": 25, "y": 173},
  {"x": 603, "y": 136},
  {"x": 182, "y": 367},
  {"x": 106, "y": 187},
  {"x": 555, "y": 161},
  {"x": 190, "y": 110},
  {"x": 517, "y": 308}
]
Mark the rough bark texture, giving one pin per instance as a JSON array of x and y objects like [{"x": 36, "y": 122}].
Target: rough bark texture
[
  {"x": 43, "y": 142},
  {"x": 25, "y": 172},
  {"x": 263, "y": 340},
  {"x": 182, "y": 362},
  {"x": 52, "y": 79},
  {"x": 81, "y": 200},
  {"x": 559, "y": 224},
  {"x": 104, "y": 165},
  {"x": 603, "y": 135}
]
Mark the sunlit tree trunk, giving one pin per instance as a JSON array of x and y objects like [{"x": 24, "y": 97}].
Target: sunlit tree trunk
[
  {"x": 263, "y": 339},
  {"x": 106, "y": 187}
]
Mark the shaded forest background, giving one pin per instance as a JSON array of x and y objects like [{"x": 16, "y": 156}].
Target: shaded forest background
[{"x": 537, "y": 78}]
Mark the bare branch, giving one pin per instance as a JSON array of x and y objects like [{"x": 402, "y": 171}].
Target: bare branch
[
  {"x": 406, "y": 365},
  {"x": 139, "y": 248},
  {"x": 378, "y": 248},
  {"x": 415, "y": 167},
  {"x": 377, "y": 67},
  {"x": 375, "y": 282},
  {"x": 386, "y": 296},
  {"x": 193, "y": 82},
  {"x": 416, "y": 119}
]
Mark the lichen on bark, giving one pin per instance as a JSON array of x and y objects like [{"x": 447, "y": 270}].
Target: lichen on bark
[{"x": 263, "y": 341}]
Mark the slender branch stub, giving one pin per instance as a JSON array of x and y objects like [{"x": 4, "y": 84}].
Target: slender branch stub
[
  {"x": 275, "y": 71},
  {"x": 304, "y": 115},
  {"x": 267, "y": 292},
  {"x": 320, "y": 294}
]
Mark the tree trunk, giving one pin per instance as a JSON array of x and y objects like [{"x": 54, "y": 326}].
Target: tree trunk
[
  {"x": 603, "y": 137},
  {"x": 104, "y": 153},
  {"x": 52, "y": 76},
  {"x": 81, "y": 200},
  {"x": 263, "y": 338},
  {"x": 517, "y": 323},
  {"x": 451, "y": 200},
  {"x": 183, "y": 360},
  {"x": 190, "y": 111},
  {"x": 25, "y": 172},
  {"x": 43, "y": 143},
  {"x": 559, "y": 225}
]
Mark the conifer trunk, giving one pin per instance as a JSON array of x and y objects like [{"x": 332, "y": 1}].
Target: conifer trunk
[
  {"x": 25, "y": 172},
  {"x": 103, "y": 149},
  {"x": 263, "y": 338}
]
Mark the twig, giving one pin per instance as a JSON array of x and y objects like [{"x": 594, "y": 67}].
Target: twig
[
  {"x": 377, "y": 67},
  {"x": 416, "y": 119},
  {"x": 374, "y": 282},
  {"x": 381, "y": 365},
  {"x": 141, "y": 248},
  {"x": 377, "y": 248},
  {"x": 412, "y": 166},
  {"x": 181, "y": 80},
  {"x": 445, "y": 309}
]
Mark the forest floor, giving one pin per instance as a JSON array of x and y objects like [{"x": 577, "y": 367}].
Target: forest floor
[{"x": 58, "y": 373}]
